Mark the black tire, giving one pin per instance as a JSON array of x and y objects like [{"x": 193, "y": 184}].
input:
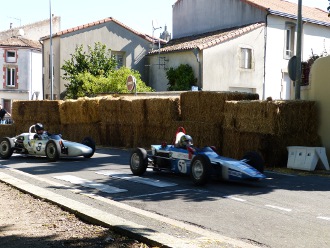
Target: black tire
[
  {"x": 88, "y": 141},
  {"x": 139, "y": 161},
  {"x": 52, "y": 151},
  {"x": 6, "y": 148},
  {"x": 200, "y": 170},
  {"x": 255, "y": 160}
]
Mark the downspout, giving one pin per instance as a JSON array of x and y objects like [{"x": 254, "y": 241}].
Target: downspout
[
  {"x": 31, "y": 76},
  {"x": 265, "y": 55},
  {"x": 196, "y": 52}
]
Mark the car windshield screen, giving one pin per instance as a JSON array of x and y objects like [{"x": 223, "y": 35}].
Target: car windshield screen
[{"x": 55, "y": 137}]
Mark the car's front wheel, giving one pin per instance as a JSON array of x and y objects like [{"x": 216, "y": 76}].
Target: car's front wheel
[
  {"x": 139, "y": 161},
  {"x": 88, "y": 141},
  {"x": 52, "y": 151},
  {"x": 255, "y": 160},
  {"x": 6, "y": 148},
  {"x": 200, "y": 170}
]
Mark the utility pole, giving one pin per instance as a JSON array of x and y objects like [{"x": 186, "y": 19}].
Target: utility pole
[
  {"x": 298, "y": 51},
  {"x": 51, "y": 69}
]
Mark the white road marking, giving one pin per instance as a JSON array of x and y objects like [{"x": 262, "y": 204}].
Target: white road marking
[
  {"x": 324, "y": 218},
  {"x": 136, "y": 179},
  {"x": 234, "y": 198},
  {"x": 90, "y": 184},
  {"x": 153, "y": 194},
  {"x": 279, "y": 208}
]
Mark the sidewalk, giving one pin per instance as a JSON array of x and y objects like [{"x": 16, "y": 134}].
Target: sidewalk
[{"x": 149, "y": 228}]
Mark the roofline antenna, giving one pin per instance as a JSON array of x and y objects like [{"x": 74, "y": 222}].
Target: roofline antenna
[
  {"x": 153, "y": 31},
  {"x": 18, "y": 19}
]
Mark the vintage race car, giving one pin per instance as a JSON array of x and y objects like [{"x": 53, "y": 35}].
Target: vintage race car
[
  {"x": 52, "y": 146},
  {"x": 200, "y": 163}
]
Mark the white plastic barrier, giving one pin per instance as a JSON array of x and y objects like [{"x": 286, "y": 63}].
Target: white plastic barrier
[{"x": 306, "y": 158}]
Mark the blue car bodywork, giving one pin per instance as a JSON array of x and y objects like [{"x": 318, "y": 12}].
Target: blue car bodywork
[{"x": 199, "y": 163}]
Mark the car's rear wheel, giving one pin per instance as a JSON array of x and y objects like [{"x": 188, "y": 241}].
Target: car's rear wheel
[
  {"x": 200, "y": 170},
  {"x": 52, "y": 151},
  {"x": 88, "y": 141},
  {"x": 6, "y": 148},
  {"x": 255, "y": 160},
  {"x": 139, "y": 161}
]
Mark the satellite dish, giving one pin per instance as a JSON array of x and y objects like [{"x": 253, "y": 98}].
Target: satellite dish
[
  {"x": 20, "y": 32},
  {"x": 131, "y": 83}
]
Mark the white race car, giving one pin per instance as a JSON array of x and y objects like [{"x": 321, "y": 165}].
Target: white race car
[{"x": 52, "y": 146}]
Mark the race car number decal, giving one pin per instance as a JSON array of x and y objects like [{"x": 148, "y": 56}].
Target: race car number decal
[
  {"x": 182, "y": 166},
  {"x": 38, "y": 148},
  {"x": 235, "y": 173}
]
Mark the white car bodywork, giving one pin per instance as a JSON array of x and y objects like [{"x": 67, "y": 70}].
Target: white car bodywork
[{"x": 52, "y": 146}]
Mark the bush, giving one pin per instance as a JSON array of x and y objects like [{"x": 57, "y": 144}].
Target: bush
[{"x": 181, "y": 78}]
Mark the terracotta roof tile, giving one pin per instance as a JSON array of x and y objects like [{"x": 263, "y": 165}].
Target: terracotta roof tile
[
  {"x": 20, "y": 42},
  {"x": 206, "y": 40},
  {"x": 109, "y": 19},
  {"x": 290, "y": 8}
]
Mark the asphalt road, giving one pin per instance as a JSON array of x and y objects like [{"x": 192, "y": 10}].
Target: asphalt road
[{"x": 282, "y": 211}]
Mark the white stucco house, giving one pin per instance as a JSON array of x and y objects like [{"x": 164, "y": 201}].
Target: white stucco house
[
  {"x": 21, "y": 70},
  {"x": 240, "y": 45},
  {"x": 127, "y": 45},
  {"x": 21, "y": 61}
]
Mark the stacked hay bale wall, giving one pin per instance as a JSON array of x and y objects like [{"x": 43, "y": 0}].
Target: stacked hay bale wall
[
  {"x": 203, "y": 113},
  {"x": 28, "y": 113},
  {"x": 233, "y": 122},
  {"x": 120, "y": 120},
  {"x": 269, "y": 127},
  {"x": 137, "y": 121},
  {"x": 7, "y": 130},
  {"x": 80, "y": 118}
]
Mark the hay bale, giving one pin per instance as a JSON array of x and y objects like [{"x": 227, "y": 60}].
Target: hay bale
[
  {"x": 83, "y": 110},
  {"x": 271, "y": 117},
  {"x": 122, "y": 110},
  {"x": 162, "y": 110},
  {"x": 110, "y": 108},
  {"x": 251, "y": 116},
  {"x": 44, "y": 111},
  {"x": 208, "y": 106},
  {"x": 7, "y": 130},
  {"x": 117, "y": 135},
  {"x": 77, "y": 132}
]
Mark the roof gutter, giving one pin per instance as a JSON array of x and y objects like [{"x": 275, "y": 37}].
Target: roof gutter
[{"x": 282, "y": 14}]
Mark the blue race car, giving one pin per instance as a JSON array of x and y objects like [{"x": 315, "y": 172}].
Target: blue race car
[{"x": 200, "y": 163}]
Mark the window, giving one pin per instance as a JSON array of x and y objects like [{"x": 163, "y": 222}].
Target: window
[
  {"x": 246, "y": 58},
  {"x": 11, "y": 56},
  {"x": 289, "y": 40},
  {"x": 119, "y": 57},
  {"x": 11, "y": 77}
]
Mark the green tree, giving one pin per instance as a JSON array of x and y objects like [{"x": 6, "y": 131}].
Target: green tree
[
  {"x": 115, "y": 82},
  {"x": 94, "y": 71},
  {"x": 181, "y": 78}
]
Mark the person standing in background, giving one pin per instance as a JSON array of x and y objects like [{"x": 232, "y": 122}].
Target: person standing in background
[{"x": 3, "y": 112}]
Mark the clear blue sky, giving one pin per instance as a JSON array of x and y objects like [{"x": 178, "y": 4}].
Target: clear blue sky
[{"x": 138, "y": 14}]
